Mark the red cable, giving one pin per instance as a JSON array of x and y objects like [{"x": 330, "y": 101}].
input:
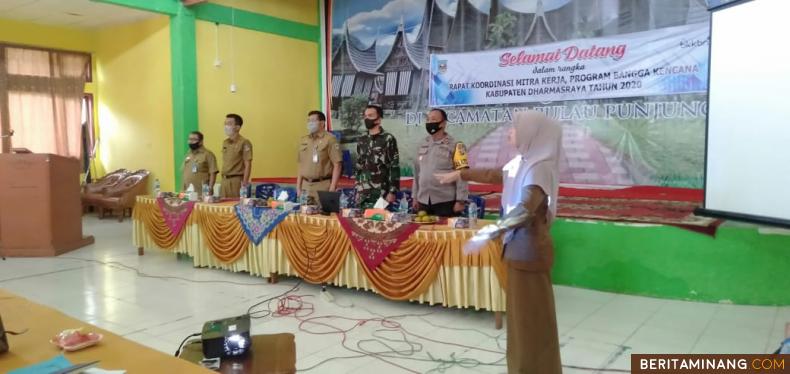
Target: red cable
[{"x": 293, "y": 305}]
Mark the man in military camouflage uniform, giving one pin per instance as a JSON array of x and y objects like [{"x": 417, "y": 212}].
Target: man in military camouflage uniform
[{"x": 378, "y": 163}]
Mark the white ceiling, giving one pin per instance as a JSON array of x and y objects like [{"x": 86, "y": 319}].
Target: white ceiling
[{"x": 83, "y": 14}]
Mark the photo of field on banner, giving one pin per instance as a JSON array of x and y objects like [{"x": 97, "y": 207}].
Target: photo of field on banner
[{"x": 630, "y": 91}]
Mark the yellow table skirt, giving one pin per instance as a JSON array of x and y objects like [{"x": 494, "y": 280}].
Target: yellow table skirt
[{"x": 428, "y": 267}]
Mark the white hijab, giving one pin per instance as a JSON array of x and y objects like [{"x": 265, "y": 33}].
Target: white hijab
[{"x": 539, "y": 143}]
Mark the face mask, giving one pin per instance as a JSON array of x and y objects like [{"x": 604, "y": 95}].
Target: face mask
[
  {"x": 312, "y": 127},
  {"x": 229, "y": 130},
  {"x": 194, "y": 146},
  {"x": 370, "y": 123},
  {"x": 432, "y": 127}
]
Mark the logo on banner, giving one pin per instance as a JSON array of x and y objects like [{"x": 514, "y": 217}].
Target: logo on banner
[{"x": 442, "y": 66}]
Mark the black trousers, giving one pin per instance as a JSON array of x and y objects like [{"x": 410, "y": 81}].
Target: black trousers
[{"x": 440, "y": 209}]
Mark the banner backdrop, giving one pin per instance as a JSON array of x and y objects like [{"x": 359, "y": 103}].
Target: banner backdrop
[
  {"x": 673, "y": 60},
  {"x": 627, "y": 79}
]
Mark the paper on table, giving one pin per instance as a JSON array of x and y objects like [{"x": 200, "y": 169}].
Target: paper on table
[
  {"x": 49, "y": 366},
  {"x": 381, "y": 204},
  {"x": 102, "y": 371}
]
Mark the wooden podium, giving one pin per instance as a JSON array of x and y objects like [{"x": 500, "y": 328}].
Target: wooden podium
[{"x": 40, "y": 208}]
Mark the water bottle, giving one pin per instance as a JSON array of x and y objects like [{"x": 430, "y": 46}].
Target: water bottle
[
  {"x": 472, "y": 212},
  {"x": 343, "y": 201},
  {"x": 243, "y": 192},
  {"x": 303, "y": 198},
  {"x": 205, "y": 189},
  {"x": 404, "y": 205},
  {"x": 157, "y": 188}
]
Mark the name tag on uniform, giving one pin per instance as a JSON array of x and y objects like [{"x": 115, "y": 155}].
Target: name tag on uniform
[
  {"x": 315, "y": 155},
  {"x": 194, "y": 167}
]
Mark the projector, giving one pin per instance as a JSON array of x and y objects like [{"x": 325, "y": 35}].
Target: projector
[{"x": 229, "y": 337}]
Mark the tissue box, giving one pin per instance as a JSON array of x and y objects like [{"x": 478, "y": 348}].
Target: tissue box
[
  {"x": 458, "y": 222},
  {"x": 309, "y": 209},
  {"x": 352, "y": 213}
]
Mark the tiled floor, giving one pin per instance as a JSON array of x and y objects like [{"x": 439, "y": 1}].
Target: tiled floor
[{"x": 598, "y": 330}]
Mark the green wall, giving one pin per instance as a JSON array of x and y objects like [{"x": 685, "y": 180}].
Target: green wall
[{"x": 740, "y": 265}]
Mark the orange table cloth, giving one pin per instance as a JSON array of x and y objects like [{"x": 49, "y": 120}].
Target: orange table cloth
[{"x": 428, "y": 267}]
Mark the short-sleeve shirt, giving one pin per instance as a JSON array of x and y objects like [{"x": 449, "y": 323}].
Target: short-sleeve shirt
[
  {"x": 318, "y": 155},
  {"x": 197, "y": 167},
  {"x": 437, "y": 157},
  {"x": 234, "y": 153}
]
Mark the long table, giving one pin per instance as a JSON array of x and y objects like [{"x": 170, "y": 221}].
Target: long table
[
  {"x": 428, "y": 267},
  {"x": 113, "y": 352}
]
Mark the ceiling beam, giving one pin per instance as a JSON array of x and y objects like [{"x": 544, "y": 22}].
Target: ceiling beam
[
  {"x": 169, "y": 7},
  {"x": 211, "y": 12}
]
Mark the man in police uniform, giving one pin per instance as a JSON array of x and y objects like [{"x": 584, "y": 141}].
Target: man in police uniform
[
  {"x": 435, "y": 156},
  {"x": 378, "y": 162},
  {"x": 236, "y": 158},
  {"x": 200, "y": 165},
  {"x": 319, "y": 159}
]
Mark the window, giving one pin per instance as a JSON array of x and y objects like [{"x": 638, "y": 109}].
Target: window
[{"x": 42, "y": 97}]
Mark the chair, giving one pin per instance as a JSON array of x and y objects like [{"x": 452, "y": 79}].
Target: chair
[
  {"x": 481, "y": 206},
  {"x": 105, "y": 181},
  {"x": 350, "y": 194},
  {"x": 290, "y": 190},
  {"x": 122, "y": 196},
  {"x": 92, "y": 191},
  {"x": 266, "y": 190},
  {"x": 399, "y": 196},
  {"x": 347, "y": 168}
]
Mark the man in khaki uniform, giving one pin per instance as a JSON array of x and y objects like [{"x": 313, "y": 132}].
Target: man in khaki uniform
[
  {"x": 200, "y": 165},
  {"x": 319, "y": 159},
  {"x": 435, "y": 156},
  {"x": 236, "y": 158}
]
